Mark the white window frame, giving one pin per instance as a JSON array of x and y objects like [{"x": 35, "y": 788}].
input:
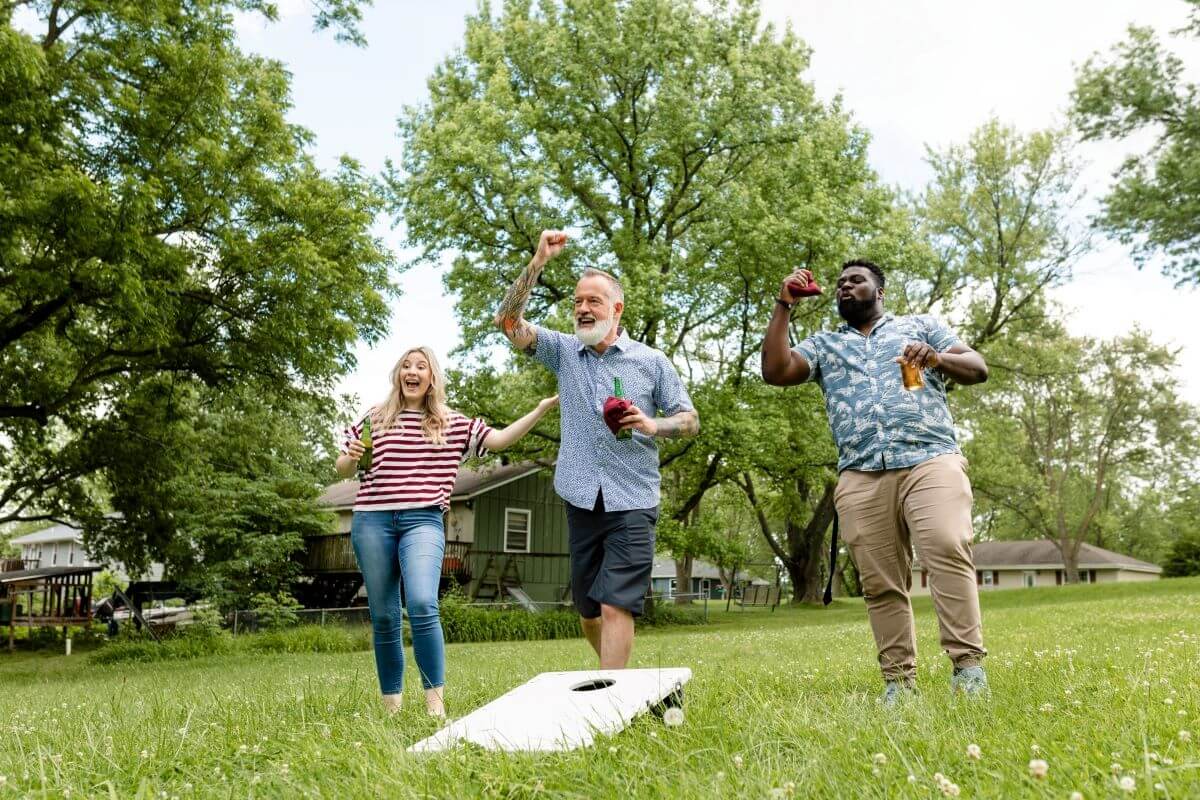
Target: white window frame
[
  {"x": 1029, "y": 579},
  {"x": 528, "y": 514},
  {"x": 989, "y": 577},
  {"x": 1085, "y": 576}
]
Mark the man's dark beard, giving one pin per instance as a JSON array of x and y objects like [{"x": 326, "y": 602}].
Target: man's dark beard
[{"x": 856, "y": 312}]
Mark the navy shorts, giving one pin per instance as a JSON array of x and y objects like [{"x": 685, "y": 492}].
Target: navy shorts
[{"x": 612, "y": 554}]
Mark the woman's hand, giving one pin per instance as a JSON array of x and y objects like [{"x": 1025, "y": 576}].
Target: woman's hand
[
  {"x": 547, "y": 404},
  {"x": 356, "y": 448}
]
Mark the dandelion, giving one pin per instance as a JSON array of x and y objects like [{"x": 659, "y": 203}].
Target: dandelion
[
  {"x": 721, "y": 775},
  {"x": 1116, "y": 768},
  {"x": 673, "y": 717},
  {"x": 973, "y": 752},
  {"x": 738, "y": 761},
  {"x": 1168, "y": 701},
  {"x": 912, "y": 778},
  {"x": 880, "y": 759},
  {"x": 1047, "y": 708},
  {"x": 789, "y": 788},
  {"x": 3, "y": 780},
  {"x": 1185, "y": 736},
  {"x": 144, "y": 754},
  {"x": 1160, "y": 787},
  {"x": 612, "y": 749},
  {"x": 653, "y": 734},
  {"x": 1127, "y": 783},
  {"x": 1033, "y": 748},
  {"x": 1038, "y": 768},
  {"x": 1076, "y": 795}
]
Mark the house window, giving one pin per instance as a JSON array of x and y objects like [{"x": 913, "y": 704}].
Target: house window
[
  {"x": 1029, "y": 578},
  {"x": 71, "y": 553},
  {"x": 54, "y": 555},
  {"x": 516, "y": 530},
  {"x": 924, "y": 579},
  {"x": 989, "y": 577}
]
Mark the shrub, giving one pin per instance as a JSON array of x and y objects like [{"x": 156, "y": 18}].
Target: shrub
[
  {"x": 275, "y": 611},
  {"x": 1184, "y": 558},
  {"x": 310, "y": 639},
  {"x": 463, "y": 623}
]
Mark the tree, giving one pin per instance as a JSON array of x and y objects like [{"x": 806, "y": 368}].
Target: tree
[
  {"x": 1155, "y": 203},
  {"x": 1184, "y": 558},
  {"x": 1077, "y": 420},
  {"x": 697, "y": 164},
  {"x": 997, "y": 216},
  {"x": 165, "y": 240}
]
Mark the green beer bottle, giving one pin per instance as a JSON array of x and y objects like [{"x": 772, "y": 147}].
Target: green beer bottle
[
  {"x": 364, "y": 461},
  {"x": 619, "y": 393}
]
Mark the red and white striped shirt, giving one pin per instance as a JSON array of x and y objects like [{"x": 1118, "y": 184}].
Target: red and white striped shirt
[{"x": 409, "y": 471}]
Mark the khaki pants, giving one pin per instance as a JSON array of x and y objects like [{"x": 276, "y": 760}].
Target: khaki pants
[{"x": 882, "y": 514}]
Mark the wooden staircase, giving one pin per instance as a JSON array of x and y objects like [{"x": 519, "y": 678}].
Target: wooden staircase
[{"x": 497, "y": 576}]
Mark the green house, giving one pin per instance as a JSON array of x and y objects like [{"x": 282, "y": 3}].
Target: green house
[{"x": 506, "y": 529}]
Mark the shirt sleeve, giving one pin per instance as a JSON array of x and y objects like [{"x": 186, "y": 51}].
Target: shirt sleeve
[
  {"x": 810, "y": 349},
  {"x": 550, "y": 346},
  {"x": 350, "y": 433},
  {"x": 670, "y": 395},
  {"x": 937, "y": 335},
  {"x": 476, "y": 433}
]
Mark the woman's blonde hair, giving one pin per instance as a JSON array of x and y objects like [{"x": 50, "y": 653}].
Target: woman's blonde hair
[{"x": 436, "y": 414}]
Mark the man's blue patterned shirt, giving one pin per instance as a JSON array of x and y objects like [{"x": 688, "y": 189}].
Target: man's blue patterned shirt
[{"x": 876, "y": 423}]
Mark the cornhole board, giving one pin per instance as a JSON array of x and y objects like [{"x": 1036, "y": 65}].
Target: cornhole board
[{"x": 561, "y": 710}]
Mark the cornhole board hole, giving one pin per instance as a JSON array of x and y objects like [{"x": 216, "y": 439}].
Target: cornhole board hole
[{"x": 562, "y": 710}]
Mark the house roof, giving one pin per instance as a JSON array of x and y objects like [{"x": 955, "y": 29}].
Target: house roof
[
  {"x": 1044, "y": 554},
  {"x": 470, "y": 483},
  {"x": 664, "y": 567},
  {"x": 54, "y": 533}
]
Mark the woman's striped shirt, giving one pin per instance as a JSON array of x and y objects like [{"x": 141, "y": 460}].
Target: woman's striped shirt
[{"x": 407, "y": 470}]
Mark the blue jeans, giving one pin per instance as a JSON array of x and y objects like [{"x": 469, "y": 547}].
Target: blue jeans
[{"x": 403, "y": 545}]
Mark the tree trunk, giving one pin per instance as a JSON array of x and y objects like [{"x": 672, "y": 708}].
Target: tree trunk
[
  {"x": 850, "y": 580},
  {"x": 1070, "y": 554},
  {"x": 683, "y": 580}
]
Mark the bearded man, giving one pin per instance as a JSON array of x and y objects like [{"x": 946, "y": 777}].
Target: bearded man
[
  {"x": 902, "y": 479},
  {"x": 607, "y": 470}
]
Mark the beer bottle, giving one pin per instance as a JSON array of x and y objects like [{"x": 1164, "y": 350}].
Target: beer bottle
[
  {"x": 364, "y": 461},
  {"x": 619, "y": 393}
]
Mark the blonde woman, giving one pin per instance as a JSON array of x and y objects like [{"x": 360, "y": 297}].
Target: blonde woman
[{"x": 418, "y": 443}]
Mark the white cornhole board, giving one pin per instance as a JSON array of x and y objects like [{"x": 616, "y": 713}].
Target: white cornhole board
[{"x": 551, "y": 713}]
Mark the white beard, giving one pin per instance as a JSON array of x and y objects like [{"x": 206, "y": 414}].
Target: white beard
[{"x": 595, "y": 335}]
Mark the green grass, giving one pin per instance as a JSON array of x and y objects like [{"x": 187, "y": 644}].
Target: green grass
[{"x": 1091, "y": 676}]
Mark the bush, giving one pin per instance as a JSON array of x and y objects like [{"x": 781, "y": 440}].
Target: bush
[
  {"x": 274, "y": 612},
  {"x": 310, "y": 639},
  {"x": 1184, "y": 558},
  {"x": 660, "y": 614},
  {"x": 463, "y": 623},
  {"x": 147, "y": 650}
]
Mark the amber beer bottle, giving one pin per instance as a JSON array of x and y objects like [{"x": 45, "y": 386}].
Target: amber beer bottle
[
  {"x": 364, "y": 461},
  {"x": 619, "y": 393},
  {"x": 913, "y": 377}
]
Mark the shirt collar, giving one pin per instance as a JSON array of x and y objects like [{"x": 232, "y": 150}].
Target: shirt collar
[
  {"x": 622, "y": 341},
  {"x": 846, "y": 327}
]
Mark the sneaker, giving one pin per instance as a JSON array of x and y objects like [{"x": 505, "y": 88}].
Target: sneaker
[
  {"x": 971, "y": 681},
  {"x": 895, "y": 692}
]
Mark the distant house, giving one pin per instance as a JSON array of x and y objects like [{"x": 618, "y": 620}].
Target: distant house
[
  {"x": 1022, "y": 564},
  {"x": 706, "y": 579},
  {"x": 506, "y": 527},
  {"x": 61, "y": 545}
]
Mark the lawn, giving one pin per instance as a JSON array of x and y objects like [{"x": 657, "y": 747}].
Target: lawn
[{"x": 1100, "y": 682}]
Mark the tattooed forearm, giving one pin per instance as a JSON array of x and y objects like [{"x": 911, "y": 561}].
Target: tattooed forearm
[
  {"x": 510, "y": 316},
  {"x": 680, "y": 426}
]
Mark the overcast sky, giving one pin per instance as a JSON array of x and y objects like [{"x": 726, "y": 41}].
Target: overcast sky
[{"x": 912, "y": 73}]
